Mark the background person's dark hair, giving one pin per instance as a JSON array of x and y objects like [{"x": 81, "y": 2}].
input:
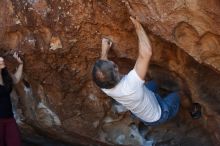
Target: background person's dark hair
[
  {"x": 7, "y": 80},
  {"x": 109, "y": 76}
]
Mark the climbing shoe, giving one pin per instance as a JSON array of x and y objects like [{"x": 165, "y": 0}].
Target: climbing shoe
[{"x": 196, "y": 112}]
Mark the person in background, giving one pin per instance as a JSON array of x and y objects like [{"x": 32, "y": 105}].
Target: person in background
[{"x": 9, "y": 132}]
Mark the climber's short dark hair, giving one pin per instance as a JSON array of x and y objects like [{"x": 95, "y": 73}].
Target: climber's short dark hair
[{"x": 104, "y": 74}]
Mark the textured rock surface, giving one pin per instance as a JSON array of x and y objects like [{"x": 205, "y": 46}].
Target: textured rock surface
[
  {"x": 191, "y": 25},
  {"x": 60, "y": 40}
]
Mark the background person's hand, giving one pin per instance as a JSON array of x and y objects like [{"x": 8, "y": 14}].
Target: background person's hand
[
  {"x": 18, "y": 74},
  {"x": 15, "y": 55}
]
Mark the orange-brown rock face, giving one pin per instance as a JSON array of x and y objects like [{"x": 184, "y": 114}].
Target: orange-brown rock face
[
  {"x": 60, "y": 40},
  {"x": 193, "y": 26}
]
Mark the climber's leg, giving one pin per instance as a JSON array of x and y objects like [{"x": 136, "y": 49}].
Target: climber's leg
[{"x": 152, "y": 85}]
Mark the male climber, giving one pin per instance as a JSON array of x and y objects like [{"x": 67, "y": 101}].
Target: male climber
[{"x": 131, "y": 90}]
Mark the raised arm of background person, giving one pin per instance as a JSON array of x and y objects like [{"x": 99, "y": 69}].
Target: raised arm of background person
[
  {"x": 145, "y": 50},
  {"x": 106, "y": 45},
  {"x": 17, "y": 75}
]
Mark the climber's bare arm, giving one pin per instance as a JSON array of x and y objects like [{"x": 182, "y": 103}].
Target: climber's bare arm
[
  {"x": 145, "y": 50},
  {"x": 106, "y": 45},
  {"x": 17, "y": 75}
]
